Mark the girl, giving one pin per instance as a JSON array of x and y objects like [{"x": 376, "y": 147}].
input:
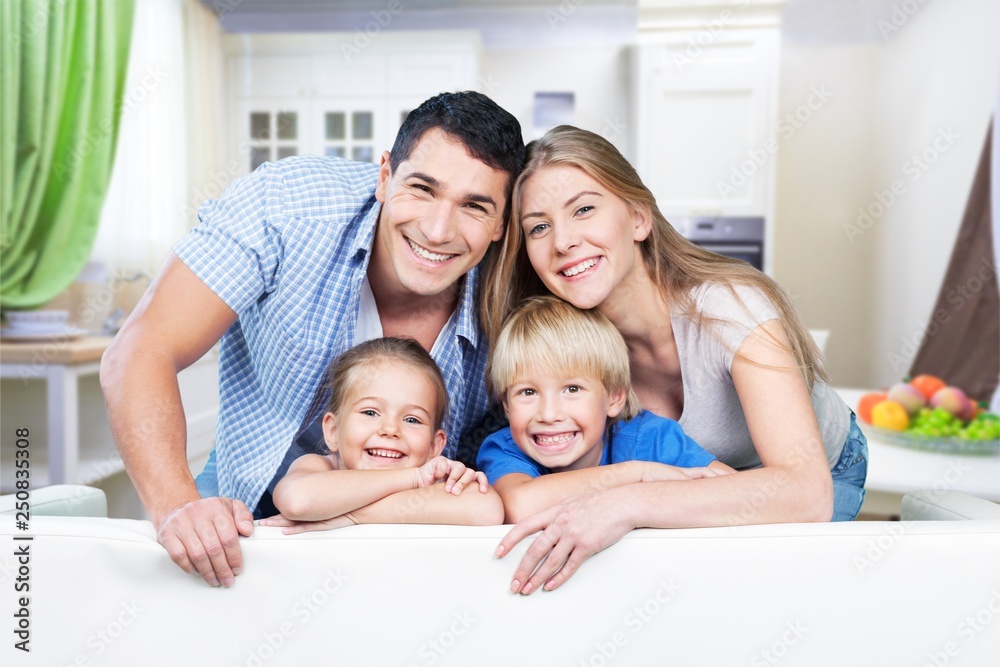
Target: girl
[{"x": 383, "y": 435}]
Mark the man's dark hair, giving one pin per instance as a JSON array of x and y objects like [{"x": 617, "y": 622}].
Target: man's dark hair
[{"x": 490, "y": 134}]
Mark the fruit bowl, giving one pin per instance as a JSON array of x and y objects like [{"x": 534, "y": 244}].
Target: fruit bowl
[{"x": 944, "y": 445}]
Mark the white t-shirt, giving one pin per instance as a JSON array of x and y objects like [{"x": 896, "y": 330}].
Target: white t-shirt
[
  {"x": 713, "y": 414},
  {"x": 369, "y": 326}
]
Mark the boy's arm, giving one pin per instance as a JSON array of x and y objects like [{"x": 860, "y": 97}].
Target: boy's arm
[
  {"x": 313, "y": 490},
  {"x": 524, "y": 495}
]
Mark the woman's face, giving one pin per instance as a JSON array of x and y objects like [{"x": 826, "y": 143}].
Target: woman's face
[{"x": 581, "y": 239}]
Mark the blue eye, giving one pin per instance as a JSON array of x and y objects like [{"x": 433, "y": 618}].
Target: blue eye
[
  {"x": 584, "y": 209},
  {"x": 538, "y": 229},
  {"x": 412, "y": 420}
]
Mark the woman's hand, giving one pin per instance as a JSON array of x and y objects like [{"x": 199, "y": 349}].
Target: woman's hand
[
  {"x": 456, "y": 475},
  {"x": 572, "y": 531},
  {"x": 290, "y": 527},
  {"x": 662, "y": 472}
]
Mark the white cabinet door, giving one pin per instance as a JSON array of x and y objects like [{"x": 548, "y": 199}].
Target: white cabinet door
[
  {"x": 705, "y": 143},
  {"x": 349, "y": 127}
]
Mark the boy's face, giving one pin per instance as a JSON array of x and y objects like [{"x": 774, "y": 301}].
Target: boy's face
[
  {"x": 441, "y": 209},
  {"x": 386, "y": 421},
  {"x": 559, "y": 421}
]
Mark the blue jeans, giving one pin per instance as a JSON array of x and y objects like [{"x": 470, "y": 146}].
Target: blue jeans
[
  {"x": 208, "y": 481},
  {"x": 849, "y": 475}
]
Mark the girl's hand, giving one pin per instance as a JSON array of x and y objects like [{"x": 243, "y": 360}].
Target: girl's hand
[
  {"x": 290, "y": 527},
  {"x": 456, "y": 475}
]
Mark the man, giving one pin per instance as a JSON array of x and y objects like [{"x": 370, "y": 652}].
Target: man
[{"x": 291, "y": 266}]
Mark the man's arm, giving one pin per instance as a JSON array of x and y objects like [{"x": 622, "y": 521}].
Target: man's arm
[{"x": 177, "y": 321}]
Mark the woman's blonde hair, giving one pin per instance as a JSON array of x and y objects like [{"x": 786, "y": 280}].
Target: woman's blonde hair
[
  {"x": 550, "y": 335},
  {"x": 675, "y": 264}
]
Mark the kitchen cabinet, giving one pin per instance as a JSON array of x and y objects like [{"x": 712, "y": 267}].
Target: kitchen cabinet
[
  {"x": 705, "y": 128},
  {"x": 324, "y": 95}
]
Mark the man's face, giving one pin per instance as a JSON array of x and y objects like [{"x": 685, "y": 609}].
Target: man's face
[{"x": 441, "y": 209}]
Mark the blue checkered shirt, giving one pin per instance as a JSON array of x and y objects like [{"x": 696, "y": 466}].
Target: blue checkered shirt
[{"x": 287, "y": 248}]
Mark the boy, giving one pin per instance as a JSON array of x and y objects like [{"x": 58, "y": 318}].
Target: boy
[{"x": 563, "y": 377}]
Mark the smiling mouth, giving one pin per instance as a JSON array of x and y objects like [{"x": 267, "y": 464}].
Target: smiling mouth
[
  {"x": 577, "y": 269},
  {"x": 384, "y": 454},
  {"x": 554, "y": 441},
  {"x": 424, "y": 253}
]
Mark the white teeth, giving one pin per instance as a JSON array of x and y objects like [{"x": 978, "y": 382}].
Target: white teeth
[
  {"x": 554, "y": 439},
  {"x": 385, "y": 453},
  {"x": 426, "y": 254},
  {"x": 582, "y": 266}
]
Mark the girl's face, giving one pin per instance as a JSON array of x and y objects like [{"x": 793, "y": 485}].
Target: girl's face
[
  {"x": 386, "y": 421},
  {"x": 581, "y": 239}
]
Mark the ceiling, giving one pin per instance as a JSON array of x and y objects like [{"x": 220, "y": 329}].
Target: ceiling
[{"x": 803, "y": 20}]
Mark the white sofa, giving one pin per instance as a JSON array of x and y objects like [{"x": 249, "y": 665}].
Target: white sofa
[{"x": 103, "y": 592}]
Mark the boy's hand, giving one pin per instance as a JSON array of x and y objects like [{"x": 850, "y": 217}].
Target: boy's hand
[
  {"x": 456, "y": 475},
  {"x": 290, "y": 527}
]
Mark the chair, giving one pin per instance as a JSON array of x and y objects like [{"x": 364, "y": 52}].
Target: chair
[
  {"x": 61, "y": 500},
  {"x": 942, "y": 505}
]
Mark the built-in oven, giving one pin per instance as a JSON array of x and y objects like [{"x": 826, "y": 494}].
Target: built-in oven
[{"x": 740, "y": 238}]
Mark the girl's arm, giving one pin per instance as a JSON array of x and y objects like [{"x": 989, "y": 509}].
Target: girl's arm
[
  {"x": 476, "y": 505},
  {"x": 313, "y": 489},
  {"x": 793, "y": 486}
]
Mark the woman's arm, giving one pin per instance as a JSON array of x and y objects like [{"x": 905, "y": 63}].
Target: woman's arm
[
  {"x": 524, "y": 495},
  {"x": 793, "y": 486}
]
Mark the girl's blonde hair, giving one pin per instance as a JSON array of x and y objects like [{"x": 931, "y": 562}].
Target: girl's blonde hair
[
  {"x": 346, "y": 369},
  {"x": 549, "y": 334},
  {"x": 675, "y": 265}
]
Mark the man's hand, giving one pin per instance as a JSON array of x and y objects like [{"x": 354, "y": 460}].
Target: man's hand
[
  {"x": 455, "y": 474},
  {"x": 202, "y": 537},
  {"x": 662, "y": 472},
  {"x": 572, "y": 531}
]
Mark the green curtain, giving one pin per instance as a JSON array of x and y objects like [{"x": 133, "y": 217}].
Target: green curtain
[{"x": 62, "y": 79}]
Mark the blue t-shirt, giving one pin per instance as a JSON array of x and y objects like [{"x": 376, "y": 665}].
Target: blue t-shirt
[{"x": 645, "y": 437}]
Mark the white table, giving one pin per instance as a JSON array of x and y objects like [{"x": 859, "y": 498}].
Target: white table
[
  {"x": 894, "y": 470},
  {"x": 60, "y": 362}
]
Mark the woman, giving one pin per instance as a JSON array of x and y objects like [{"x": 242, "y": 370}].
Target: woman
[{"x": 713, "y": 343}]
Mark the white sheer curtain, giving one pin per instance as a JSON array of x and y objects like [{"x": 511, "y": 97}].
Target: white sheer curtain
[
  {"x": 995, "y": 204},
  {"x": 170, "y": 134}
]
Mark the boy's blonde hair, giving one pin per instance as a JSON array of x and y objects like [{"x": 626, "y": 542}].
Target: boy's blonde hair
[{"x": 546, "y": 333}]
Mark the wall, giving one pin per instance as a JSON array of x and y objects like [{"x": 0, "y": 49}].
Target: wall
[
  {"x": 938, "y": 72},
  {"x": 874, "y": 281},
  {"x": 823, "y": 168},
  {"x": 598, "y": 76}
]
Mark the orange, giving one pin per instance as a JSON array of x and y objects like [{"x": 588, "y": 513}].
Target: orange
[
  {"x": 890, "y": 415},
  {"x": 928, "y": 385},
  {"x": 867, "y": 402}
]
